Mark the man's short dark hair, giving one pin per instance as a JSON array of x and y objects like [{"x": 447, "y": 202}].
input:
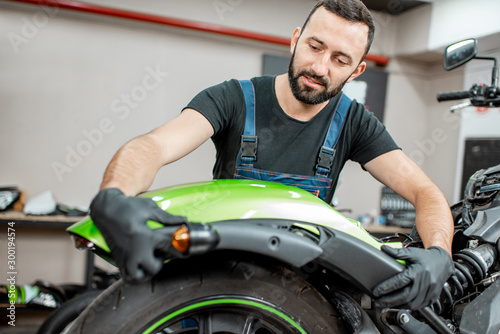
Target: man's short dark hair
[{"x": 351, "y": 10}]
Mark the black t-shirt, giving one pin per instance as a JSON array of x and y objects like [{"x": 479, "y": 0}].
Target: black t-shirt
[{"x": 285, "y": 144}]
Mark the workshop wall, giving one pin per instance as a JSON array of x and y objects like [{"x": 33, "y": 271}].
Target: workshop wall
[
  {"x": 77, "y": 90},
  {"x": 81, "y": 88}
]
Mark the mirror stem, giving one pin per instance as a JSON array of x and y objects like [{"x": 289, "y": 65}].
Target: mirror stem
[{"x": 494, "y": 74}]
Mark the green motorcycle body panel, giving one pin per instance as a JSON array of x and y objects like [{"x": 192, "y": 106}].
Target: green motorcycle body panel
[{"x": 220, "y": 200}]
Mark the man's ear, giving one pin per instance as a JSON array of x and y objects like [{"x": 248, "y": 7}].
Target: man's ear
[
  {"x": 295, "y": 38},
  {"x": 357, "y": 72}
]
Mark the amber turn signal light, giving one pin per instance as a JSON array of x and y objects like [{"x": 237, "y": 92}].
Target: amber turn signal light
[{"x": 181, "y": 239}]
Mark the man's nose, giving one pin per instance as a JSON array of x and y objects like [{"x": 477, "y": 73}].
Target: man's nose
[{"x": 320, "y": 66}]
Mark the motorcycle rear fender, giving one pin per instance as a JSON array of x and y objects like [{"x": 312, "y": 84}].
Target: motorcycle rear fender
[
  {"x": 260, "y": 237},
  {"x": 238, "y": 200},
  {"x": 257, "y": 216},
  {"x": 360, "y": 263}
]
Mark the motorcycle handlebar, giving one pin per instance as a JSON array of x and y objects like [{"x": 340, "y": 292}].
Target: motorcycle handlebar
[{"x": 456, "y": 95}]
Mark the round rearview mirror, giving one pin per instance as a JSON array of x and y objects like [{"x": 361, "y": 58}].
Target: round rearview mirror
[{"x": 459, "y": 53}]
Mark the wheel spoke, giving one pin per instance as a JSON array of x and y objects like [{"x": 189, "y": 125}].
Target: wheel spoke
[
  {"x": 248, "y": 327},
  {"x": 204, "y": 323}
]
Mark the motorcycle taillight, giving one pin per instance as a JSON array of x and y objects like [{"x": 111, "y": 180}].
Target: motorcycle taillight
[{"x": 83, "y": 244}]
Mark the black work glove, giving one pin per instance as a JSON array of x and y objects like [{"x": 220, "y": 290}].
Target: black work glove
[
  {"x": 122, "y": 222},
  {"x": 420, "y": 283}
]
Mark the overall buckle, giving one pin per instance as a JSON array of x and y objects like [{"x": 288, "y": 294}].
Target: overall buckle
[
  {"x": 325, "y": 157},
  {"x": 249, "y": 146}
]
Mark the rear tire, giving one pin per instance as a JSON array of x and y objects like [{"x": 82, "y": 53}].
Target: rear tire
[{"x": 226, "y": 297}]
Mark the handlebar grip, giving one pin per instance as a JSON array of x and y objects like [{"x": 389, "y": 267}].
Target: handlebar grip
[{"x": 456, "y": 95}]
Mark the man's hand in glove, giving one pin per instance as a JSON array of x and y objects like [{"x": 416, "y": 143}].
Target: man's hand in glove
[
  {"x": 122, "y": 222},
  {"x": 420, "y": 283}
]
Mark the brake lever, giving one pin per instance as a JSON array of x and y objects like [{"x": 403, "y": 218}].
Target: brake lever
[{"x": 460, "y": 106}]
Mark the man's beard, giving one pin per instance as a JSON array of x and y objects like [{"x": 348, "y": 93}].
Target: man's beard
[{"x": 307, "y": 94}]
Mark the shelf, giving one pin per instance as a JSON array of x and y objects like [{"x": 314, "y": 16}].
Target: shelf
[
  {"x": 21, "y": 219},
  {"x": 54, "y": 221}
]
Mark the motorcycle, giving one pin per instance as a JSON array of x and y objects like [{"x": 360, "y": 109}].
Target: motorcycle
[{"x": 263, "y": 258}]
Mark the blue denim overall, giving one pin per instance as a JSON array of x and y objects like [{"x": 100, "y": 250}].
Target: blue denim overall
[{"x": 318, "y": 184}]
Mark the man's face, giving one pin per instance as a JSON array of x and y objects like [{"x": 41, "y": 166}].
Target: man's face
[{"x": 325, "y": 56}]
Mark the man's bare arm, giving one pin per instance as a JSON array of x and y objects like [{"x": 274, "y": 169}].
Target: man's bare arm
[
  {"x": 135, "y": 165},
  {"x": 434, "y": 221}
]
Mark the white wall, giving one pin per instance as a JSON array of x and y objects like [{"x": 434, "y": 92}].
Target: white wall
[
  {"x": 65, "y": 97},
  {"x": 432, "y": 27},
  {"x": 454, "y": 20},
  {"x": 255, "y": 15}
]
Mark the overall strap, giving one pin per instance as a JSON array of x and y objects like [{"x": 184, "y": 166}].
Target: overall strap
[
  {"x": 248, "y": 151},
  {"x": 327, "y": 151}
]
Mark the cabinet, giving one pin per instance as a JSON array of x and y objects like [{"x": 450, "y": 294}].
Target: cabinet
[{"x": 15, "y": 222}]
